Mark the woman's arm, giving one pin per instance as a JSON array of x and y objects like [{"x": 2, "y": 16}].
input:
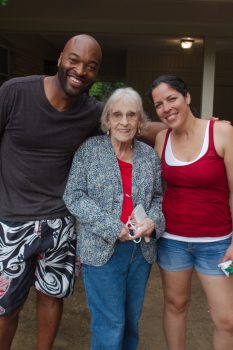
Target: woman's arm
[
  {"x": 150, "y": 133},
  {"x": 224, "y": 146}
]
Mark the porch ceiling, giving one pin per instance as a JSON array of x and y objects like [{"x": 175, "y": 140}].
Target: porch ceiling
[{"x": 118, "y": 25}]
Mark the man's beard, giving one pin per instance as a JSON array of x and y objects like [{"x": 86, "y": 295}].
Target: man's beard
[{"x": 62, "y": 77}]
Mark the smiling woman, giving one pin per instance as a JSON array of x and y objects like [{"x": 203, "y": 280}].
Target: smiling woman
[
  {"x": 102, "y": 197},
  {"x": 123, "y": 124},
  {"x": 123, "y": 117},
  {"x": 197, "y": 162}
]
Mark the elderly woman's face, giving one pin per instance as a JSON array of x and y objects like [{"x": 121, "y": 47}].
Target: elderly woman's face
[{"x": 123, "y": 121}]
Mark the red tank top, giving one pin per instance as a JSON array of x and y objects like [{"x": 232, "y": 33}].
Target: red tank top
[{"x": 196, "y": 202}]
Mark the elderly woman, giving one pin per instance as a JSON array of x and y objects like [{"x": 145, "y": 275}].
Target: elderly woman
[{"x": 111, "y": 174}]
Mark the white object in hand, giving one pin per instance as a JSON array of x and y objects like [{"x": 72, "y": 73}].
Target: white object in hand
[{"x": 139, "y": 214}]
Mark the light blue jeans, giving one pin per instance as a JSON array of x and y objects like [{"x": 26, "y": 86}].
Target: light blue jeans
[{"x": 115, "y": 294}]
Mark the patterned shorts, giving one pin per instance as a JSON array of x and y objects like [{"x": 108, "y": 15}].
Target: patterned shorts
[{"x": 39, "y": 253}]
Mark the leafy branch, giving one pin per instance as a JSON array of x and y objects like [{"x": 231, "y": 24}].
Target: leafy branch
[{"x": 3, "y": 2}]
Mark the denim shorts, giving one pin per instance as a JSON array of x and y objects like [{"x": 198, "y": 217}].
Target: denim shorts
[{"x": 204, "y": 257}]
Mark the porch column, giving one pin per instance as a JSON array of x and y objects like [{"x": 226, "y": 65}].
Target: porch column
[{"x": 207, "y": 98}]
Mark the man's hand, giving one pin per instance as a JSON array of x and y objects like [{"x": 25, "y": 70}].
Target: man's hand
[{"x": 220, "y": 120}]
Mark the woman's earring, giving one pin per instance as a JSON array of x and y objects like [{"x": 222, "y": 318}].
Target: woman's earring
[
  {"x": 139, "y": 131},
  {"x": 108, "y": 132}
]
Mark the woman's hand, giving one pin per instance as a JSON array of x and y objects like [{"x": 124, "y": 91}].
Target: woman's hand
[
  {"x": 229, "y": 253},
  {"x": 143, "y": 228},
  {"x": 124, "y": 234}
]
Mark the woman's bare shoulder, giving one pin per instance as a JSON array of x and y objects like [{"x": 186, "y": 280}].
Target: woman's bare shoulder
[
  {"x": 223, "y": 137},
  {"x": 222, "y": 127}
]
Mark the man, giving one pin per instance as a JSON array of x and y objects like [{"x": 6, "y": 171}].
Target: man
[{"x": 42, "y": 122}]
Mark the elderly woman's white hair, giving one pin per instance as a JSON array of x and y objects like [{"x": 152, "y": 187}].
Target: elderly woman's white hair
[{"x": 126, "y": 94}]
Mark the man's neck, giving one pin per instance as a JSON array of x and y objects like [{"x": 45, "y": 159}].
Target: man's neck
[{"x": 56, "y": 96}]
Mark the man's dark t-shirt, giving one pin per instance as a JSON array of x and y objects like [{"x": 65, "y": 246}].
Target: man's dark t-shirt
[{"x": 37, "y": 144}]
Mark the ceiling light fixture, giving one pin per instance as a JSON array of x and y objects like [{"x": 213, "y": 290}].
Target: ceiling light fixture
[{"x": 186, "y": 43}]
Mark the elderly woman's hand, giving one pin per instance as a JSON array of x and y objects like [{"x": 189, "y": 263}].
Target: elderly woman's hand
[
  {"x": 124, "y": 234},
  {"x": 144, "y": 228}
]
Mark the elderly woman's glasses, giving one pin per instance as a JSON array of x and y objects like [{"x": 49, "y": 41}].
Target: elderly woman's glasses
[{"x": 118, "y": 116}]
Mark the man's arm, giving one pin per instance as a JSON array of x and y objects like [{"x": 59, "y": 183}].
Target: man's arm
[
  {"x": 5, "y": 105},
  {"x": 148, "y": 134}
]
